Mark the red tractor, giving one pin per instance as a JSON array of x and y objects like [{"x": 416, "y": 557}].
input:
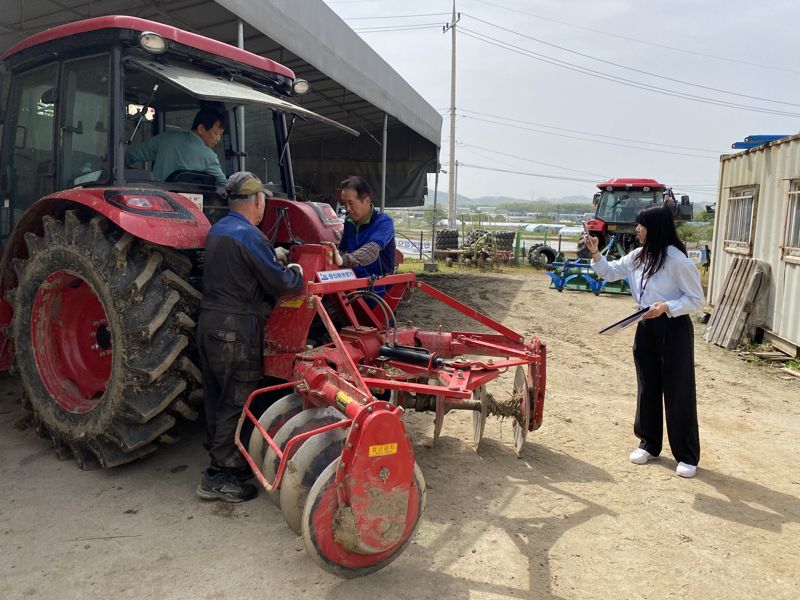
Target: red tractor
[
  {"x": 101, "y": 274},
  {"x": 617, "y": 204}
]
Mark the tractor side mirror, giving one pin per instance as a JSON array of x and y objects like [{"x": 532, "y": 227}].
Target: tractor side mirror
[{"x": 596, "y": 199}]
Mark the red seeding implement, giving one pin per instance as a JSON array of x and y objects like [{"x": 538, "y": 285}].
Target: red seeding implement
[{"x": 101, "y": 274}]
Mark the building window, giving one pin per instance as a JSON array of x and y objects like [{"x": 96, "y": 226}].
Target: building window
[
  {"x": 739, "y": 226},
  {"x": 791, "y": 241}
]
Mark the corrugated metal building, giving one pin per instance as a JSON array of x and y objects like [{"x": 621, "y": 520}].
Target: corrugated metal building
[{"x": 758, "y": 215}]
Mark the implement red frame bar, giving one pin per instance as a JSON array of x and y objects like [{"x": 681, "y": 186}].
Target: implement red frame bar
[{"x": 470, "y": 312}]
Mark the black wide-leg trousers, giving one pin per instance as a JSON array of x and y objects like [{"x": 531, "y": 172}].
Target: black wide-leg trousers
[{"x": 663, "y": 351}]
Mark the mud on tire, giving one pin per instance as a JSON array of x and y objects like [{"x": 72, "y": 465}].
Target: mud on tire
[{"x": 103, "y": 323}]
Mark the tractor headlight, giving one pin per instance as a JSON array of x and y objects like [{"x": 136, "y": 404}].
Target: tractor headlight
[
  {"x": 152, "y": 42},
  {"x": 300, "y": 86}
]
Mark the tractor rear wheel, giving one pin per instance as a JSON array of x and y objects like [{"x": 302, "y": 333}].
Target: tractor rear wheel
[{"x": 102, "y": 325}]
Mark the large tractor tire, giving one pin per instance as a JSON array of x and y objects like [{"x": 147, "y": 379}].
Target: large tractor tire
[
  {"x": 103, "y": 325},
  {"x": 540, "y": 256}
]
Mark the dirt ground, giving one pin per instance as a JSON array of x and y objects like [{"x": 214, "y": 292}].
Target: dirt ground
[{"x": 570, "y": 518}]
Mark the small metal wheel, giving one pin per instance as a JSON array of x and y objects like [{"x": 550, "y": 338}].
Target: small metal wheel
[
  {"x": 438, "y": 420},
  {"x": 272, "y": 420},
  {"x": 479, "y": 417},
  {"x": 313, "y": 418},
  {"x": 522, "y": 422},
  {"x": 303, "y": 470},
  {"x": 449, "y": 262},
  {"x": 331, "y": 538},
  {"x": 467, "y": 262}
]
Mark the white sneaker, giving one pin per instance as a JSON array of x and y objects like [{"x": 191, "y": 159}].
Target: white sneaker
[
  {"x": 685, "y": 470},
  {"x": 640, "y": 456}
]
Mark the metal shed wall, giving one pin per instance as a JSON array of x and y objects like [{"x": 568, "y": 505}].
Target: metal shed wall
[{"x": 771, "y": 169}]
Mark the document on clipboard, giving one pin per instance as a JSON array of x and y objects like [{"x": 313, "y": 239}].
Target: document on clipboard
[{"x": 625, "y": 323}]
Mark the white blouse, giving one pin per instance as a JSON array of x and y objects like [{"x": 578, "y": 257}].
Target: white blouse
[{"x": 677, "y": 282}]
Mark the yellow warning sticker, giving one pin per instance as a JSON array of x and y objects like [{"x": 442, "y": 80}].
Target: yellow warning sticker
[
  {"x": 342, "y": 400},
  {"x": 292, "y": 302},
  {"x": 383, "y": 449}
]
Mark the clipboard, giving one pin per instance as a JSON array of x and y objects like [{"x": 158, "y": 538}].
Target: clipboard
[{"x": 625, "y": 323}]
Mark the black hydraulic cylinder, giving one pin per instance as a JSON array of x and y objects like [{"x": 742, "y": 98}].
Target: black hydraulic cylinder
[{"x": 415, "y": 356}]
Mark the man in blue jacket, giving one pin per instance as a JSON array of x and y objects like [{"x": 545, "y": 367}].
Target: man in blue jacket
[
  {"x": 242, "y": 271},
  {"x": 367, "y": 244}
]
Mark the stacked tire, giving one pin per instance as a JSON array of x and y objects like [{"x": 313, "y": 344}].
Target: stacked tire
[
  {"x": 473, "y": 236},
  {"x": 446, "y": 239},
  {"x": 505, "y": 240},
  {"x": 541, "y": 255}
]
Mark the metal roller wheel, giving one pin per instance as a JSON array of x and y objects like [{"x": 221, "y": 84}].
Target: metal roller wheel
[
  {"x": 479, "y": 417},
  {"x": 313, "y": 418},
  {"x": 303, "y": 470},
  {"x": 272, "y": 420},
  {"x": 521, "y": 423},
  {"x": 322, "y": 524}
]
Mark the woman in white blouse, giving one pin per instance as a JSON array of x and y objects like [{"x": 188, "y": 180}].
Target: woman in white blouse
[{"x": 663, "y": 277}]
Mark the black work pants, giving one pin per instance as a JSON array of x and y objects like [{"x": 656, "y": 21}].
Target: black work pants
[
  {"x": 663, "y": 352},
  {"x": 231, "y": 351}
]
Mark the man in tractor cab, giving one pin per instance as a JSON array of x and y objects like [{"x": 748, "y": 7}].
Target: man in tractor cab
[
  {"x": 367, "y": 244},
  {"x": 242, "y": 271},
  {"x": 192, "y": 150}
]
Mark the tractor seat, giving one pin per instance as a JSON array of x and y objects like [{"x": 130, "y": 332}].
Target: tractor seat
[{"x": 189, "y": 176}]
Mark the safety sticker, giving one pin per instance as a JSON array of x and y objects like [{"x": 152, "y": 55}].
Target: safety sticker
[
  {"x": 342, "y": 400},
  {"x": 383, "y": 449},
  {"x": 292, "y": 302}
]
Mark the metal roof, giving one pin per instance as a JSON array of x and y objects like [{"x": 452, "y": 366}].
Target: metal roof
[{"x": 350, "y": 82}]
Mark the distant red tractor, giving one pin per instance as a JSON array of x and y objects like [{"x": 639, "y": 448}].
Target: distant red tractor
[
  {"x": 101, "y": 274},
  {"x": 617, "y": 204}
]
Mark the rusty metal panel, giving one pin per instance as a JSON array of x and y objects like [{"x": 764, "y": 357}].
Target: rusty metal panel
[{"x": 770, "y": 169}]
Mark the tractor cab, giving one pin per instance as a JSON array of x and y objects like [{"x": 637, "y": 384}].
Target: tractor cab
[
  {"x": 616, "y": 206},
  {"x": 81, "y": 95}
]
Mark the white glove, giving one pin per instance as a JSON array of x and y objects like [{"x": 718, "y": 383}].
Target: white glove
[
  {"x": 337, "y": 258},
  {"x": 282, "y": 254},
  {"x": 297, "y": 268}
]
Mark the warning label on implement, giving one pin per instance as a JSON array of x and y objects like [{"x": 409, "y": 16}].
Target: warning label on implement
[{"x": 383, "y": 449}]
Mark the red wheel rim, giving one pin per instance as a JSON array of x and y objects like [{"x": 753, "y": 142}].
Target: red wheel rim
[{"x": 71, "y": 342}]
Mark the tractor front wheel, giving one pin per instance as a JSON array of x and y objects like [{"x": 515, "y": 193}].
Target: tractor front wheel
[{"x": 102, "y": 325}]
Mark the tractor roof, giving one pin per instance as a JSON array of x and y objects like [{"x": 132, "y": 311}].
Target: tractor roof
[
  {"x": 623, "y": 183},
  {"x": 173, "y": 34}
]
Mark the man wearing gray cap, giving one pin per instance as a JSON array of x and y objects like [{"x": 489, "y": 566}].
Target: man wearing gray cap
[{"x": 242, "y": 271}]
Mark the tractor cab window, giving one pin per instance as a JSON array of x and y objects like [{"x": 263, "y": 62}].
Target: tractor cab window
[
  {"x": 622, "y": 206},
  {"x": 154, "y": 106},
  {"x": 28, "y": 170},
  {"x": 85, "y": 127},
  {"x": 261, "y": 145}
]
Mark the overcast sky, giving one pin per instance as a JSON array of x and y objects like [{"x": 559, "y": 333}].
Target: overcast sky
[{"x": 510, "y": 101}]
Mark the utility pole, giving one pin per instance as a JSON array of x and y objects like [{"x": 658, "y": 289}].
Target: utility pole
[{"x": 451, "y": 174}]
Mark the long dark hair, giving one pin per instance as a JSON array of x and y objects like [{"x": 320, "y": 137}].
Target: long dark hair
[{"x": 661, "y": 234}]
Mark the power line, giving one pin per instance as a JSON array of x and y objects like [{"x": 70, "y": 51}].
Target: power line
[
  {"x": 397, "y": 28},
  {"x": 614, "y": 78},
  {"x": 469, "y": 166},
  {"x": 573, "y": 137},
  {"x": 611, "y": 137},
  {"x": 640, "y": 41},
  {"x": 396, "y": 16},
  {"x": 621, "y": 66},
  {"x": 530, "y": 160}
]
